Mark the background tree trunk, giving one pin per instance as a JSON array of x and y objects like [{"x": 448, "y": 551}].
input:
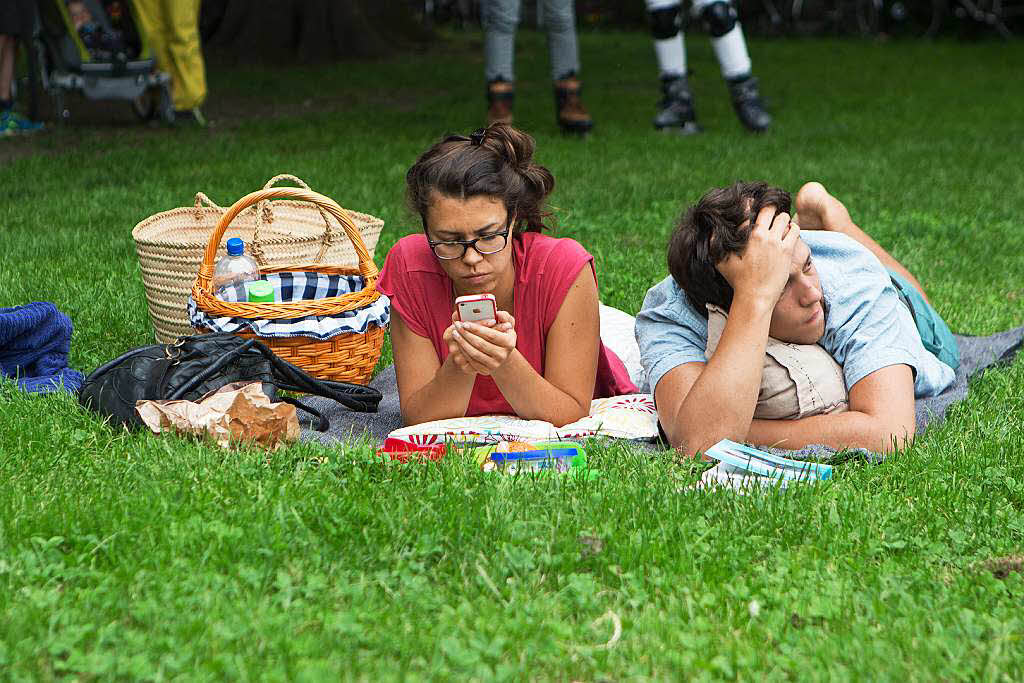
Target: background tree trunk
[{"x": 308, "y": 30}]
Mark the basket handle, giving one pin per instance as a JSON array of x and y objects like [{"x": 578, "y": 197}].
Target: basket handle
[
  {"x": 265, "y": 214},
  {"x": 201, "y": 201},
  {"x": 290, "y": 178},
  {"x": 326, "y": 205},
  {"x": 255, "y": 244}
]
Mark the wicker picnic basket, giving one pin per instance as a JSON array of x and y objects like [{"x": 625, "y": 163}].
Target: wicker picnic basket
[
  {"x": 348, "y": 357},
  {"x": 170, "y": 247}
]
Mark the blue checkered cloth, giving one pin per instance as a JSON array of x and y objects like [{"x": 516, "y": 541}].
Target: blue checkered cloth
[
  {"x": 299, "y": 286},
  {"x": 35, "y": 340}
]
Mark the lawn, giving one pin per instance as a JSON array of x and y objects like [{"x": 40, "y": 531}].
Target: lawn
[{"x": 141, "y": 557}]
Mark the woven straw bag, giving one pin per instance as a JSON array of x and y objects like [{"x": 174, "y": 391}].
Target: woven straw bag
[
  {"x": 347, "y": 357},
  {"x": 170, "y": 247}
]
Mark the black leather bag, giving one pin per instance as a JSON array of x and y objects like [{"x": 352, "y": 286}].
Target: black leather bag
[{"x": 194, "y": 366}]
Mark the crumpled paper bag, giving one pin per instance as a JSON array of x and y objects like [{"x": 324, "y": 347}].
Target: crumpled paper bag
[{"x": 237, "y": 412}]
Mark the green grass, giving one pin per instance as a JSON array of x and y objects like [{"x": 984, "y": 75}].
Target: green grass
[{"x": 144, "y": 557}]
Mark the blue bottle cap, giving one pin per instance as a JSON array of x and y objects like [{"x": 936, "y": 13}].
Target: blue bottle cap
[{"x": 236, "y": 246}]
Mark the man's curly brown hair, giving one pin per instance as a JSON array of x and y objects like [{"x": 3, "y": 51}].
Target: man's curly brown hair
[{"x": 716, "y": 226}]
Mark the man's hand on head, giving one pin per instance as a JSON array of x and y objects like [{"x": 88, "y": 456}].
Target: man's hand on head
[{"x": 761, "y": 270}]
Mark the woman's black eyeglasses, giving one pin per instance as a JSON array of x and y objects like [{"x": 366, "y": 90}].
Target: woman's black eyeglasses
[{"x": 487, "y": 244}]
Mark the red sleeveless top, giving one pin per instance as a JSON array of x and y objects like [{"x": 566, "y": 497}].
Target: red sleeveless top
[{"x": 545, "y": 267}]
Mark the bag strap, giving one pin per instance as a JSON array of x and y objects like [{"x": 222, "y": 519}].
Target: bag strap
[
  {"x": 211, "y": 370},
  {"x": 355, "y": 397},
  {"x": 322, "y": 423}
]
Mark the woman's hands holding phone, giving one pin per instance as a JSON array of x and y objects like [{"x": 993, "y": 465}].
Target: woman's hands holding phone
[{"x": 483, "y": 347}]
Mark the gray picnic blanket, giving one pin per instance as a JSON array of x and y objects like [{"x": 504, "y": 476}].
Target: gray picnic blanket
[
  {"x": 350, "y": 427},
  {"x": 976, "y": 355}
]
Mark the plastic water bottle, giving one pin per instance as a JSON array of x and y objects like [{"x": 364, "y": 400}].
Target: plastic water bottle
[{"x": 234, "y": 269}]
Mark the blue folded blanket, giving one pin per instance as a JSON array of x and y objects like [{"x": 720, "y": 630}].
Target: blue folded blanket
[{"x": 35, "y": 340}]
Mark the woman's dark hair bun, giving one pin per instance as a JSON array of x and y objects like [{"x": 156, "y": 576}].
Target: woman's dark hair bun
[
  {"x": 496, "y": 161},
  {"x": 515, "y": 146}
]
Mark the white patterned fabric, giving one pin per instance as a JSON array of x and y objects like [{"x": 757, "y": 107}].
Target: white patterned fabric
[
  {"x": 632, "y": 417},
  {"x": 299, "y": 286},
  {"x": 617, "y": 334}
]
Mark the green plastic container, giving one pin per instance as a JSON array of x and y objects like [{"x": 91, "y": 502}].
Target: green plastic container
[{"x": 259, "y": 291}]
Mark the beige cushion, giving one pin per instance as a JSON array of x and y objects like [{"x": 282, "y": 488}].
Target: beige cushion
[{"x": 798, "y": 380}]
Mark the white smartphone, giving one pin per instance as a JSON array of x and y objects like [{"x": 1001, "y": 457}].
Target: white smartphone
[{"x": 476, "y": 307}]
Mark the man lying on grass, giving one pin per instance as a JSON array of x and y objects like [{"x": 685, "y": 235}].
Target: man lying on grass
[{"x": 788, "y": 285}]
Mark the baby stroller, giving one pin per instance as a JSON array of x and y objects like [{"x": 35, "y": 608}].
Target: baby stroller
[{"x": 94, "y": 47}]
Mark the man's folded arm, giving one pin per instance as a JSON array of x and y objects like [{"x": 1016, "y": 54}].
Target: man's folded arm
[
  {"x": 880, "y": 419},
  {"x": 699, "y": 404}
]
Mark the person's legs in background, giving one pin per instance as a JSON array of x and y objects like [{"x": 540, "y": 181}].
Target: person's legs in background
[
  {"x": 172, "y": 29},
  {"x": 189, "y": 70},
  {"x": 676, "y": 111},
  {"x": 151, "y": 23},
  {"x": 11, "y": 123},
  {"x": 730, "y": 48},
  {"x": 560, "y": 24},
  {"x": 500, "y": 19}
]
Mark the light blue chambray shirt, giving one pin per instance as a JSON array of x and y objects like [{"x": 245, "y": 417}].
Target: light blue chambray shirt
[{"x": 867, "y": 325}]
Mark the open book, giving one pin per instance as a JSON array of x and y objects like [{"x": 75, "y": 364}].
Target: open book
[{"x": 741, "y": 466}]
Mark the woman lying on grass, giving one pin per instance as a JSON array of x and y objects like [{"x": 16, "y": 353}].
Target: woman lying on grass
[{"x": 481, "y": 199}]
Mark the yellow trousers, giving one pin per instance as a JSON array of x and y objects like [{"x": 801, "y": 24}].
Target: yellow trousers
[{"x": 171, "y": 28}]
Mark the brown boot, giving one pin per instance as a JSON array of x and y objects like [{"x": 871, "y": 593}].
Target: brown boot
[
  {"x": 572, "y": 115},
  {"x": 501, "y": 95}
]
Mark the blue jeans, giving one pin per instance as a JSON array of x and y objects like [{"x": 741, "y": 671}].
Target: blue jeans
[{"x": 500, "y": 19}]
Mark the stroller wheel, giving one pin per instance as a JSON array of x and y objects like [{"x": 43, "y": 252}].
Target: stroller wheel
[
  {"x": 166, "y": 105},
  {"x": 154, "y": 104},
  {"x": 144, "y": 106}
]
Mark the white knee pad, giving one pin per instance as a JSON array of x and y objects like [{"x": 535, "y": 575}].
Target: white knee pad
[{"x": 661, "y": 4}]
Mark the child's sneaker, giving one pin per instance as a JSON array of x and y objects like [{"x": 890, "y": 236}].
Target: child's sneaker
[{"x": 12, "y": 123}]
